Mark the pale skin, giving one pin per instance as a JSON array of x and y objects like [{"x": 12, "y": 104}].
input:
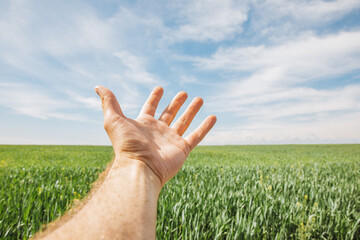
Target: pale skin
[{"x": 148, "y": 153}]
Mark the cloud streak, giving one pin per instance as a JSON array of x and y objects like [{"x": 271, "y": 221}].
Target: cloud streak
[
  {"x": 208, "y": 20},
  {"x": 314, "y": 56},
  {"x": 276, "y": 72},
  {"x": 26, "y": 100},
  {"x": 327, "y": 129},
  {"x": 274, "y": 98}
]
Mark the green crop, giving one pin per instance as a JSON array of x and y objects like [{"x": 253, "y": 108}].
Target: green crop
[{"x": 227, "y": 192}]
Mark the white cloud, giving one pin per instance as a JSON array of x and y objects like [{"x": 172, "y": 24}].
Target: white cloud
[
  {"x": 208, "y": 20},
  {"x": 295, "y": 102},
  {"x": 274, "y": 104},
  {"x": 281, "y": 20},
  {"x": 276, "y": 72},
  {"x": 64, "y": 30},
  {"x": 71, "y": 49},
  {"x": 46, "y": 103},
  {"x": 342, "y": 128},
  {"x": 30, "y": 101},
  {"x": 310, "y": 57},
  {"x": 134, "y": 68},
  {"x": 306, "y": 12},
  {"x": 32, "y": 36},
  {"x": 88, "y": 102},
  {"x": 188, "y": 80}
]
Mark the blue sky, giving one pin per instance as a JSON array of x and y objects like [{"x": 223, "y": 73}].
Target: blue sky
[{"x": 273, "y": 72}]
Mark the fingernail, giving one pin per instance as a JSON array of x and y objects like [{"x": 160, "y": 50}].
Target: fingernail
[{"x": 97, "y": 90}]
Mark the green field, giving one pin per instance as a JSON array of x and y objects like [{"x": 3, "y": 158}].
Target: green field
[{"x": 227, "y": 192}]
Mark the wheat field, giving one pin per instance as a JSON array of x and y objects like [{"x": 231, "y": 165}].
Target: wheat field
[{"x": 222, "y": 192}]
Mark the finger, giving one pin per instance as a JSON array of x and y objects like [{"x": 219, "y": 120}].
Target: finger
[
  {"x": 109, "y": 103},
  {"x": 184, "y": 121},
  {"x": 171, "y": 110},
  {"x": 196, "y": 136},
  {"x": 152, "y": 102}
]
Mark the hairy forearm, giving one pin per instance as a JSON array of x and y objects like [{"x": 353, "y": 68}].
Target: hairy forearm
[{"x": 124, "y": 206}]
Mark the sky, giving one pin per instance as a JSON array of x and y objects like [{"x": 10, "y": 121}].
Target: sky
[{"x": 273, "y": 72}]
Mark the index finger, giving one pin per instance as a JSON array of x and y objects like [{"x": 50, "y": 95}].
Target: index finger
[{"x": 152, "y": 102}]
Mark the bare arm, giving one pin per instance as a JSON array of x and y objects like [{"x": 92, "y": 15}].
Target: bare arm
[{"x": 148, "y": 153}]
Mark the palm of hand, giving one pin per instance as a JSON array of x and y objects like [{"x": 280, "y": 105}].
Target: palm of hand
[{"x": 153, "y": 141}]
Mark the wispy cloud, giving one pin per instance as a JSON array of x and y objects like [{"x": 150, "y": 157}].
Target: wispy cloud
[
  {"x": 270, "y": 87},
  {"x": 342, "y": 128},
  {"x": 208, "y": 20},
  {"x": 337, "y": 129},
  {"x": 134, "y": 68},
  {"x": 281, "y": 20},
  {"x": 307, "y": 12},
  {"x": 27, "y": 100},
  {"x": 275, "y": 69},
  {"x": 87, "y": 102},
  {"x": 70, "y": 49},
  {"x": 312, "y": 56}
]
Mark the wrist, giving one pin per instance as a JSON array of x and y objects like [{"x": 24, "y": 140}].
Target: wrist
[{"x": 135, "y": 171}]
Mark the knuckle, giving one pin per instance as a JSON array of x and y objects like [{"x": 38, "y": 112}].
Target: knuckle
[{"x": 107, "y": 96}]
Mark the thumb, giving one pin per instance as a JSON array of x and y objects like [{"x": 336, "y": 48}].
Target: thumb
[{"x": 109, "y": 102}]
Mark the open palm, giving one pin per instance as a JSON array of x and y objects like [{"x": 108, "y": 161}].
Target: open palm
[{"x": 153, "y": 141}]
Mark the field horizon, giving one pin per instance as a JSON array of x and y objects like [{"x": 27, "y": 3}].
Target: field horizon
[{"x": 200, "y": 145}]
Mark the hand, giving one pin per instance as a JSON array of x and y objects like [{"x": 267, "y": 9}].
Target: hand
[{"x": 153, "y": 141}]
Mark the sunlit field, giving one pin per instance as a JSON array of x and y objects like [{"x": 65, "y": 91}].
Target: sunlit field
[{"x": 227, "y": 192}]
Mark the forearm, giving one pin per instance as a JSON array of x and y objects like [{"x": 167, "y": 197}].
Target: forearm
[{"x": 124, "y": 206}]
